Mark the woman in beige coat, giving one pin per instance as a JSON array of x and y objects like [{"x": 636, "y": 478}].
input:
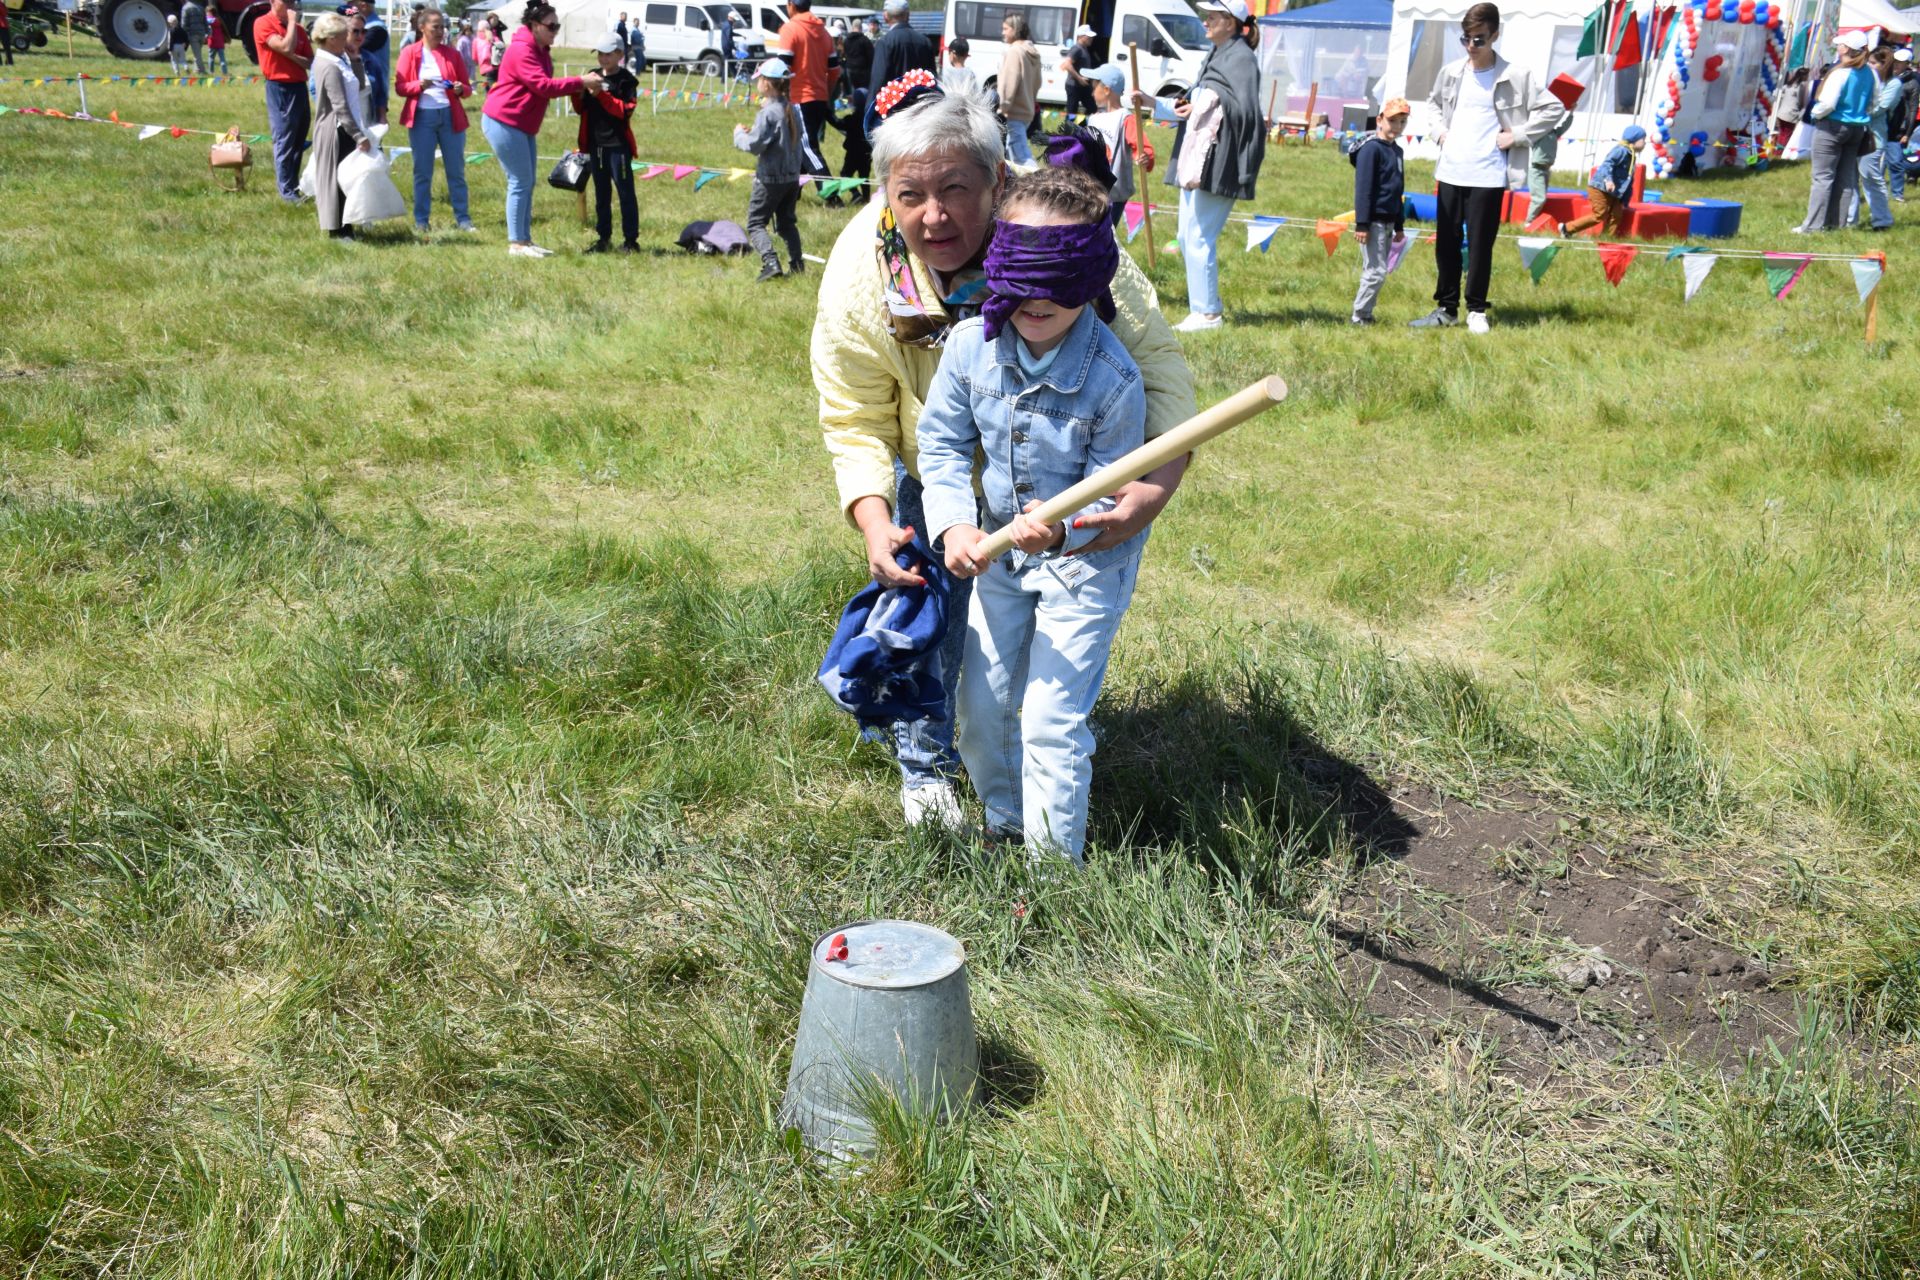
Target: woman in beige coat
[
  {"x": 1018, "y": 85},
  {"x": 337, "y": 127}
]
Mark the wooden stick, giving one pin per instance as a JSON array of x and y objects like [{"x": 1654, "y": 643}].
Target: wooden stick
[
  {"x": 1241, "y": 406},
  {"x": 1140, "y": 165}
]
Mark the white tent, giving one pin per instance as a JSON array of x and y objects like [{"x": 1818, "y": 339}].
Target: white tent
[
  {"x": 1879, "y": 13},
  {"x": 1543, "y": 36}
]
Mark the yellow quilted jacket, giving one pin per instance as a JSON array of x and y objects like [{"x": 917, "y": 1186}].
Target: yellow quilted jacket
[{"x": 872, "y": 387}]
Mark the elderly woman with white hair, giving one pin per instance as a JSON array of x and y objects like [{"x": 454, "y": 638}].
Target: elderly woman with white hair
[
  {"x": 903, "y": 272},
  {"x": 338, "y": 126}
]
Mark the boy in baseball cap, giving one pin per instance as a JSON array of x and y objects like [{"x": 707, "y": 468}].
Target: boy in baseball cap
[
  {"x": 1379, "y": 203},
  {"x": 607, "y": 137}
]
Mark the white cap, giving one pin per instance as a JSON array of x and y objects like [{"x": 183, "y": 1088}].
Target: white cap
[
  {"x": 1851, "y": 40},
  {"x": 774, "y": 69},
  {"x": 610, "y": 43},
  {"x": 1238, "y": 8},
  {"x": 895, "y": 6},
  {"x": 1903, "y": 55},
  {"x": 1084, "y": 30}
]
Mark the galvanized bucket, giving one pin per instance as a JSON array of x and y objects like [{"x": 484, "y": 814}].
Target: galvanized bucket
[{"x": 886, "y": 1015}]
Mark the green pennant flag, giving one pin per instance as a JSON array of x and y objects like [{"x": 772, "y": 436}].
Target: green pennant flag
[
  {"x": 1681, "y": 250},
  {"x": 4, "y": 110},
  {"x": 1537, "y": 254},
  {"x": 1593, "y": 33}
]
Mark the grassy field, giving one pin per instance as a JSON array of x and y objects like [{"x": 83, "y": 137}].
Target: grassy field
[{"x": 415, "y": 807}]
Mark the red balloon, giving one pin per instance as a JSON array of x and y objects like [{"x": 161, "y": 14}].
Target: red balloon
[
  {"x": 1713, "y": 13},
  {"x": 1773, "y": 19}
]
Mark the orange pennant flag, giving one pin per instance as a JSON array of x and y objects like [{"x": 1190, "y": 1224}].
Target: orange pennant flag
[
  {"x": 1615, "y": 259},
  {"x": 1329, "y": 232}
]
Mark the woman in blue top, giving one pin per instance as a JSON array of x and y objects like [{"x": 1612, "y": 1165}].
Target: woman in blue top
[
  {"x": 1875, "y": 178},
  {"x": 1039, "y": 385},
  {"x": 1840, "y": 106}
]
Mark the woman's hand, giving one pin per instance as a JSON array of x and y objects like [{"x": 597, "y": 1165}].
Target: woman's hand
[
  {"x": 592, "y": 82},
  {"x": 1030, "y": 535},
  {"x": 961, "y": 542}
]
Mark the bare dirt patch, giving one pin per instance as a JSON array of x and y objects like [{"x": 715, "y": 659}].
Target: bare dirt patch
[{"x": 1520, "y": 924}]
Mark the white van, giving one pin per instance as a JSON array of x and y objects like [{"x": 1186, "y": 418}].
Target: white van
[{"x": 1171, "y": 38}]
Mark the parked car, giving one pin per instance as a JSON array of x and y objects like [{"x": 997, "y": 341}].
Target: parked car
[{"x": 1171, "y": 38}]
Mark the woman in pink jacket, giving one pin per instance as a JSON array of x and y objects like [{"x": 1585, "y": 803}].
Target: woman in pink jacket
[{"x": 513, "y": 112}]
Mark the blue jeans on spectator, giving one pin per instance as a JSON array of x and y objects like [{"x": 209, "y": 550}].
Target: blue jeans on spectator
[
  {"x": 432, "y": 128},
  {"x": 1896, "y": 168},
  {"x": 515, "y": 152},
  {"x": 1203, "y": 216},
  {"x": 289, "y": 117},
  {"x": 1018, "y": 149},
  {"x": 1873, "y": 183},
  {"x": 924, "y": 748},
  {"x": 218, "y": 56}
]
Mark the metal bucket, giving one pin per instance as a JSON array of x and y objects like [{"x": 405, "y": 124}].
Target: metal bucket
[{"x": 890, "y": 1020}]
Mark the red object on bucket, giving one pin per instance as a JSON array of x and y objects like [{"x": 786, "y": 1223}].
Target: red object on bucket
[
  {"x": 1567, "y": 89},
  {"x": 837, "y": 947}
]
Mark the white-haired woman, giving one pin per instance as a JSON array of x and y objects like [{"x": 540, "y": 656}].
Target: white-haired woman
[
  {"x": 337, "y": 127},
  {"x": 903, "y": 272}
]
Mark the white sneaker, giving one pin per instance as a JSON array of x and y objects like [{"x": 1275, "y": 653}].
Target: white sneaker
[
  {"x": 1196, "y": 322},
  {"x": 1477, "y": 322},
  {"x": 931, "y": 804},
  {"x": 525, "y": 251}
]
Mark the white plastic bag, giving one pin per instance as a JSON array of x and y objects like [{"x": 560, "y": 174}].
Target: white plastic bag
[
  {"x": 368, "y": 185},
  {"x": 306, "y": 177}
]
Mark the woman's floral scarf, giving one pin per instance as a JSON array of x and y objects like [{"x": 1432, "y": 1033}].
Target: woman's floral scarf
[{"x": 917, "y": 315}]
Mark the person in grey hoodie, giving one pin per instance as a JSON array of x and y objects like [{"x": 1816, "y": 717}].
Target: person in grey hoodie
[
  {"x": 193, "y": 21},
  {"x": 779, "y": 138},
  {"x": 1216, "y": 153}
]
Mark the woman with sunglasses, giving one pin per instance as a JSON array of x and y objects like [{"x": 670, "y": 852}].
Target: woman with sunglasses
[
  {"x": 1486, "y": 114},
  {"x": 515, "y": 109}
]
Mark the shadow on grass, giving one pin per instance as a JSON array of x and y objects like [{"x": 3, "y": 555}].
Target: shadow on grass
[
  {"x": 1230, "y": 773},
  {"x": 1009, "y": 1080}
]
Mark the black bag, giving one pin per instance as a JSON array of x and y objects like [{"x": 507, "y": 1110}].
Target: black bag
[{"x": 571, "y": 173}]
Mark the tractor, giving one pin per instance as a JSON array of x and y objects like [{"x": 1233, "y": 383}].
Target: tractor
[{"x": 138, "y": 28}]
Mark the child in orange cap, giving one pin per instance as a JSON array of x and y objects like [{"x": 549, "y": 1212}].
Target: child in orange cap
[{"x": 1379, "y": 203}]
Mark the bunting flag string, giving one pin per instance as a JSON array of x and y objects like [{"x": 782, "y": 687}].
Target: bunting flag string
[
  {"x": 1697, "y": 266},
  {"x": 1784, "y": 271},
  {"x": 1614, "y": 261},
  {"x": 1537, "y": 254}
]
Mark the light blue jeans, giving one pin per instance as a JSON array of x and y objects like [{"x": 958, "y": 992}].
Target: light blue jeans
[
  {"x": 1873, "y": 181},
  {"x": 924, "y": 748},
  {"x": 1203, "y": 216},
  {"x": 515, "y": 152},
  {"x": 1019, "y": 150},
  {"x": 1037, "y": 652},
  {"x": 1896, "y": 153},
  {"x": 433, "y": 128}
]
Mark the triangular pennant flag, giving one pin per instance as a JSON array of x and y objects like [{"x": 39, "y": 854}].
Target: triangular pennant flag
[
  {"x": 805, "y": 178},
  {"x": 1682, "y": 250},
  {"x": 478, "y": 157},
  {"x": 706, "y": 176},
  {"x": 682, "y": 170},
  {"x": 1135, "y": 214},
  {"x": 653, "y": 171},
  {"x": 1260, "y": 234},
  {"x": 4, "y": 110},
  {"x": 1329, "y": 232},
  {"x": 148, "y": 131},
  {"x": 1592, "y": 33},
  {"x": 1866, "y": 275},
  {"x": 1397, "y": 252},
  {"x": 734, "y": 175},
  {"x": 1697, "y": 266},
  {"x": 1615, "y": 259},
  {"x": 397, "y": 152},
  {"x": 1783, "y": 271},
  {"x": 1537, "y": 254}
]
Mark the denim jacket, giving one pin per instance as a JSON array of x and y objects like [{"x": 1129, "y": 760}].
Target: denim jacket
[{"x": 1039, "y": 436}]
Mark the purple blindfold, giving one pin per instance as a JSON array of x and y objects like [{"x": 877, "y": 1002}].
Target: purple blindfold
[{"x": 1071, "y": 265}]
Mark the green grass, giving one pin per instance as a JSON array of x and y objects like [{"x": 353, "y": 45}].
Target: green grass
[{"x": 415, "y": 806}]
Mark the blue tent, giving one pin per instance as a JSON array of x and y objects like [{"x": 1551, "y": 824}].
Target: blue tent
[{"x": 1336, "y": 13}]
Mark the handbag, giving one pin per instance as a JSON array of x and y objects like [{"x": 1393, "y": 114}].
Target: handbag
[
  {"x": 231, "y": 155},
  {"x": 571, "y": 173}
]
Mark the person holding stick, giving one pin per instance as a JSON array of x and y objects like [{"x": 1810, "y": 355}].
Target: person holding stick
[
  {"x": 903, "y": 273},
  {"x": 1039, "y": 385},
  {"x": 1119, "y": 128}
]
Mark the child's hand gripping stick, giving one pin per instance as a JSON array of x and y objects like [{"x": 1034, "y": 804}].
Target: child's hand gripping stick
[{"x": 1110, "y": 479}]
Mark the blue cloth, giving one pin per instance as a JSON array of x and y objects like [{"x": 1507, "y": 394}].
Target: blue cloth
[
  {"x": 1614, "y": 174},
  {"x": 1039, "y": 435},
  {"x": 1379, "y": 183},
  {"x": 924, "y": 747},
  {"x": 1855, "y": 104},
  {"x": 289, "y": 117},
  {"x": 433, "y": 129},
  {"x": 877, "y": 666},
  {"x": 514, "y": 149}
]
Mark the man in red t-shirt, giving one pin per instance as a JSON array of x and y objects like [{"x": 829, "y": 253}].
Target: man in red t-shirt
[
  {"x": 809, "y": 55},
  {"x": 285, "y": 53}
]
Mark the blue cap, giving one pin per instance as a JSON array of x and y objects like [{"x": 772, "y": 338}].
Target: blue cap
[
  {"x": 1633, "y": 133},
  {"x": 1112, "y": 77},
  {"x": 774, "y": 69}
]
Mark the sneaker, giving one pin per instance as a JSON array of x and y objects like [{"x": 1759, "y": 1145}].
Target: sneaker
[
  {"x": 1199, "y": 322},
  {"x": 1434, "y": 319},
  {"x": 467, "y": 227},
  {"x": 930, "y": 804},
  {"x": 600, "y": 246},
  {"x": 1362, "y": 320},
  {"x": 630, "y": 247},
  {"x": 525, "y": 251},
  {"x": 1477, "y": 322},
  {"x": 1560, "y": 229},
  {"x": 769, "y": 270},
  {"x": 423, "y": 228}
]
